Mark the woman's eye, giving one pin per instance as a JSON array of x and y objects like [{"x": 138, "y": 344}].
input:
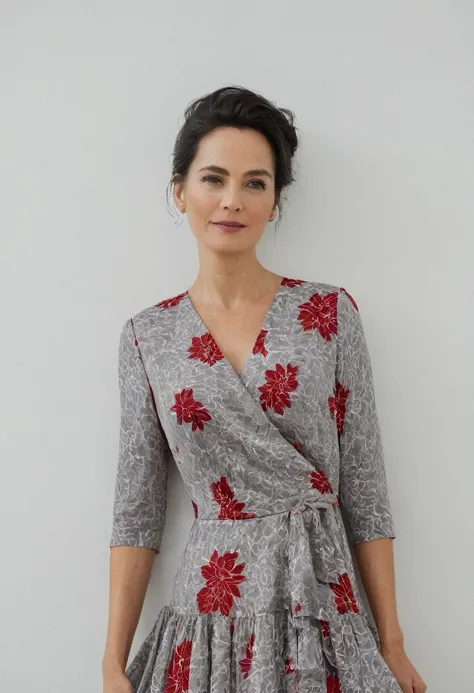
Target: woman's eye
[
  {"x": 211, "y": 179},
  {"x": 260, "y": 184}
]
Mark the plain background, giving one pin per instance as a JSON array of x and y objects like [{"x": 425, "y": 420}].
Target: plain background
[{"x": 92, "y": 97}]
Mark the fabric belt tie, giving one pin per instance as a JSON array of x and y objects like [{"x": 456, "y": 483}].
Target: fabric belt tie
[{"x": 315, "y": 559}]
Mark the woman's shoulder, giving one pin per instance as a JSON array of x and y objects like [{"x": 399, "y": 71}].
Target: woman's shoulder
[
  {"x": 163, "y": 311},
  {"x": 311, "y": 286},
  {"x": 342, "y": 294}
]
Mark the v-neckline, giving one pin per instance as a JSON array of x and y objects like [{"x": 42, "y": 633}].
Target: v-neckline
[{"x": 263, "y": 326}]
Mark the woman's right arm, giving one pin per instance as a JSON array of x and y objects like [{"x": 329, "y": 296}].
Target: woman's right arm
[
  {"x": 130, "y": 569},
  {"x": 139, "y": 508}
]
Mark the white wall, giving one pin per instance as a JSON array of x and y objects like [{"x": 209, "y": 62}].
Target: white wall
[{"x": 92, "y": 94}]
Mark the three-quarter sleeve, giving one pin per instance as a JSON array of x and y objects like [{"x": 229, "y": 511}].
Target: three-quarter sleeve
[
  {"x": 364, "y": 496},
  {"x": 141, "y": 482}
]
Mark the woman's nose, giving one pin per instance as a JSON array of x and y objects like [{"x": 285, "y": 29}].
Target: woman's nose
[{"x": 231, "y": 198}]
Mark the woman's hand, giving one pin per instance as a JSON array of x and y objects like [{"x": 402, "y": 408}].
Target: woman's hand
[{"x": 407, "y": 676}]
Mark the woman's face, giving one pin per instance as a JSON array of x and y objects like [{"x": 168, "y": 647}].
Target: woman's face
[{"x": 230, "y": 194}]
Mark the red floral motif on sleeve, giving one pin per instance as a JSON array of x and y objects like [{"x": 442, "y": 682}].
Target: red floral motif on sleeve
[
  {"x": 325, "y": 632},
  {"x": 230, "y": 508},
  {"x": 259, "y": 346},
  {"x": 280, "y": 382},
  {"x": 320, "y": 482},
  {"x": 351, "y": 299},
  {"x": 292, "y": 282},
  {"x": 177, "y": 677},
  {"x": 170, "y": 302},
  {"x": 195, "y": 508},
  {"x": 297, "y": 607},
  {"x": 289, "y": 669},
  {"x": 222, "y": 578},
  {"x": 344, "y": 595},
  {"x": 205, "y": 349},
  {"x": 320, "y": 313},
  {"x": 246, "y": 662},
  {"x": 189, "y": 410},
  {"x": 332, "y": 684},
  {"x": 337, "y": 406}
]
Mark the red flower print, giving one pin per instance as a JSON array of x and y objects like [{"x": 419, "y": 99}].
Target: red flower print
[
  {"x": 337, "y": 406},
  {"x": 325, "y": 632},
  {"x": 177, "y": 677},
  {"x": 259, "y": 346},
  {"x": 297, "y": 607},
  {"x": 344, "y": 595},
  {"x": 195, "y": 508},
  {"x": 205, "y": 349},
  {"x": 246, "y": 662},
  {"x": 332, "y": 684},
  {"x": 230, "y": 508},
  {"x": 320, "y": 313},
  {"x": 280, "y": 382},
  {"x": 297, "y": 446},
  {"x": 351, "y": 299},
  {"x": 289, "y": 666},
  {"x": 320, "y": 481},
  {"x": 190, "y": 411},
  {"x": 222, "y": 578},
  {"x": 169, "y": 302},
  {"x": 292, "y": 282}
]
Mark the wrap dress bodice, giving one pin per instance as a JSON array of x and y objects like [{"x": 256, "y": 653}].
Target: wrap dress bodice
[{"x": 284, "y": 467}]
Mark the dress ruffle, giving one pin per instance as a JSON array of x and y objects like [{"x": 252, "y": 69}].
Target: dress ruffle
[{"x": 264, "y": 653}]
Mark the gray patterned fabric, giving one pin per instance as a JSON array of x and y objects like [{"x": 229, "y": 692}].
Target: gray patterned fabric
[{"x": 284, "y": 466}]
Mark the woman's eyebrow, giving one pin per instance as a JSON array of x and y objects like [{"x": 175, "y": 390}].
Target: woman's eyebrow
[{"x": 225, "y": 172}]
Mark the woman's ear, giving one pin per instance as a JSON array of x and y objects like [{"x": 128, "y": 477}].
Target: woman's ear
[
  {"x": 273, "y": 214},
  {"x": 178, "y": 194},
  {"x": 275, "y": 205}
]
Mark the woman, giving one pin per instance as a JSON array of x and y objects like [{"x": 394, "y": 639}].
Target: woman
[{"x": 260, "y": 388}]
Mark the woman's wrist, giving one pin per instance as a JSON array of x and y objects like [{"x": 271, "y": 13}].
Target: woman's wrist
[
  {"x": 391, "y": 639},
  {"x": 112, "y": 665}
]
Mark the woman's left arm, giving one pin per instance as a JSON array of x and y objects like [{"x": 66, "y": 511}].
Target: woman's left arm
[
  {"x": 365, "y": 501},
  {"x": 376, "y": 567}
]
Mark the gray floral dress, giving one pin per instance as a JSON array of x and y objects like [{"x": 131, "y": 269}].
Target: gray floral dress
[{"x": 284, "y": 467}]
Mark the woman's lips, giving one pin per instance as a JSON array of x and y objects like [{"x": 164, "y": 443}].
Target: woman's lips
[{"x": 228, "y": 227}]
